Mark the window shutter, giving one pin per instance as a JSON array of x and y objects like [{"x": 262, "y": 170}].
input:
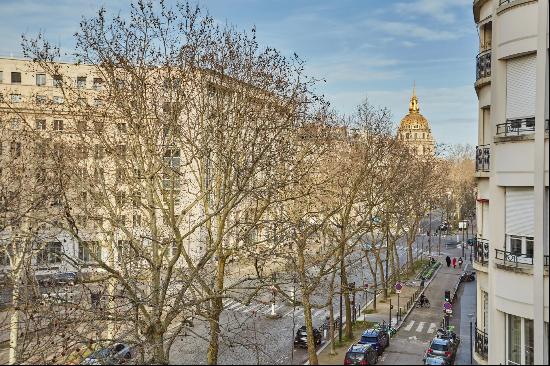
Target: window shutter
[
  {"x": 520, "y": 208},
  {"x": 521, "y": 87},
  {"x": 485, "y": 222}
]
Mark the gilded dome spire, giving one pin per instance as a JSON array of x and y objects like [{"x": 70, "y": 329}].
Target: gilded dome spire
[{"x": 413, "y": 105}]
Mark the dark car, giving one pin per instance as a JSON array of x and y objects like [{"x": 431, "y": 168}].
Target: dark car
[
  {"x": 442, "y": 347},
  {"x": 379, "y": 339},
  {"x": 361, "y": 354},
  {"x": 117, "y": 354},
  {"x": 301, "y": 337},
  {"x": 435, "y": 360},
  {"x": 471, "y": 241}
]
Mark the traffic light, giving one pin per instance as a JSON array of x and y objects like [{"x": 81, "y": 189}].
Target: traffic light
[{"x": 447, "y": 295}]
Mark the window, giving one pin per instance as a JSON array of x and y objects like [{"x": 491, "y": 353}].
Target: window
[
  {"x": 40, "y": 124},
  {"x": 98, "y": 102},
  {"x": 121, "y": 127},
  {"x": 120, "y": 198},
  {"x": 40, "y": 79},
  {"x": 515, "y": 245},
  {"x": 81, "y": 82},
  {"x": 16, "y": 78},
  {"x": 97, "y": 83},
  {"x": 58, "y": 125},
  {"x": 529, "y": 247},
  {"x": 58, "y": 99},
  {"x": 519, "y": 340},
  {"x": 1, "y": 76},
  {"x": 172, "y": 161},
  {"x": 15, "y": 149},
  {"x": 40, "y": 99},
  {"x": 136, "y": 220},
  {"x": 40, "y": 175},
  {"x": 15, "y": 98},
  {"x": 57, "y": 81},
  {"x": 15, "y": 123},
  {"x": 87, "y": 250},
  {"x": 99, "y": 152},
  {"x": 50, "y": 254},
  {"x": 4, "y": 258}
]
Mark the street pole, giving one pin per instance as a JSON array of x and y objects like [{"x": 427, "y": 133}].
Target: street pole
[
  {"x": 430, "y": 233},
  {"x": 398, "y": 309},
  {"x": 386, "y": 284},
  {"x": 439, "y": 244},
  {"x": 366, "y": 303},
  {"x": 471, "y": 345},
  {"x": 390, "y": 315},
  {"x": 340, "y": 323},
  {"x": 463, "y": 241}
]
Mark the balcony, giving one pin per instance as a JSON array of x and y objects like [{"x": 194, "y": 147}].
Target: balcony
[
  {"x": 513, "y": 258},
  {"x": 516, "y": 127},
  {"x": 483, "y": 155},
  {"x": 481, "y": 251},
  {"x": 481, "y": 343},
  {"x": 483, "y": 64}
]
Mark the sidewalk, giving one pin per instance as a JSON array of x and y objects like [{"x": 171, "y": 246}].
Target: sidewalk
[
  {"x": 465, "y": 306},
  {"x": 382, "y": 314}
]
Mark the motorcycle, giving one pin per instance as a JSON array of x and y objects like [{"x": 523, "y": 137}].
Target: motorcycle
[
  {"x": 468, "y": 277},
  {"x": 423, "y": 302}
]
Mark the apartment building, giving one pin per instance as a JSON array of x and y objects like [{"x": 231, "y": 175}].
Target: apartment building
[
  {"x": 34, "y": 107},
  {"x": 511, "y": 254}
]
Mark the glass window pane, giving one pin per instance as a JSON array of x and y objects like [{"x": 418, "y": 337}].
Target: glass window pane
[
  {"x": 515, "y": 245},
  {"x": 529, "y": 247},
  {"x": 528, "y": 331},
  {"x": 514, "y": 339}
]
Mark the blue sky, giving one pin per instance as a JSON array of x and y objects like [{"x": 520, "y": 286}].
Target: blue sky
[{"x": 373, "y": 48}]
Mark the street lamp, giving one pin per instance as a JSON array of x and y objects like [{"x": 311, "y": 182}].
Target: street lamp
[{"x": 471, "y": 316}]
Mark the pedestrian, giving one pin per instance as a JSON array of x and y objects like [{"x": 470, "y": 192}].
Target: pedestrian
[
  {"x": 460, "y": 261},
  {"x": 454, "y": 262},
  {"x": 448, "y": 260}
]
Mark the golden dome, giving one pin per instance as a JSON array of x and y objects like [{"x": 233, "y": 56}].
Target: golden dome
[{"x": 414, "y": 120}]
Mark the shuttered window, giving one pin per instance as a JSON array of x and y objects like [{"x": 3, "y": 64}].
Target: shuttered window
[
  {"x": 520, "y": 211},
  {"x": 521, "y": 87},
  {"x": 485, "y": 222}
]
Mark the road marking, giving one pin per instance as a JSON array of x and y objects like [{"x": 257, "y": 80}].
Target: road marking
[
  {"x": 318, "y": 312},
  {"x": 420, "y": 327},
  {"x": 409, "y": 326},
  {"x": 253, "y": 307},
  {"x": 289, "y": 313},
  {"x": 235, "y": 306},
  {"x": 432, "y": 328},
  {"x": 227, "y": 303}
]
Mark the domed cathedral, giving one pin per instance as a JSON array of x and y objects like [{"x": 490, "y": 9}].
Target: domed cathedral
[{"x": 415, "y": 130}]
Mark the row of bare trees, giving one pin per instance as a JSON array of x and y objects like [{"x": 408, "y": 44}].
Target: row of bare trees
[{"x": 195, "y": 152}]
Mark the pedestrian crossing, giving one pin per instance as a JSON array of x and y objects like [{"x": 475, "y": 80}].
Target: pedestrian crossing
[
  {"x": 420, "y": 327},
  {"x": 264, "y": 309}
]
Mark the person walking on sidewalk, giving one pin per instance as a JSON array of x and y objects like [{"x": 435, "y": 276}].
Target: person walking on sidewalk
[
  {"x": 454, "y": 262},
  {"x": 460, "y": 261},
  {"x": 448, "y": 260}
]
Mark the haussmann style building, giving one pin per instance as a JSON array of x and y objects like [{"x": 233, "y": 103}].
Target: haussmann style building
[{"x": 511, "y": 253}]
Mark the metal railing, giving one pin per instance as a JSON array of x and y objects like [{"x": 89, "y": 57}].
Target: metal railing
[
  {"x": 483, "y": 156},
  {"x": 483, "y": 65},
  {"x": 517, "y": 126},
  {"x": 481, "y": 343},
  {"x": 481, "y": 251},
  {"x": 513, "y": 258}
]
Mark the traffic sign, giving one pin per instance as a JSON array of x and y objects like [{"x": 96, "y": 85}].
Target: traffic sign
[
  {"x": 398, "y": 288},
  {"x": 449, "y": 311},
  {"x": 447, "y": 306}
]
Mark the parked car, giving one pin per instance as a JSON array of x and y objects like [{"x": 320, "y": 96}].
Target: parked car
[
  {"x": 300, "y": 339},
  {"x": 471, "y": 241},
  {"x": 61, "y": 278},
  {"x": 361, "y": 354},
  {"x": 379, "y": 339},
  {"x": 442, "y": 347},
  {"x": 435, "y": 360},
  {"x": 117, "y": 354}
]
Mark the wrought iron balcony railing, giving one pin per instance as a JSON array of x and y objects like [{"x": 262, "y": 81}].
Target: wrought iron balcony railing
[
  {"x": 546, "y": 260},
  {"x": 514, "y": 127},
  {"x": 483, "y": 65},
  {"x": 511, "y": 258},
  {"x": 481, "y": 343},
  {"x": 481, "y": 251},
  {"x": 483, "y": 155}
]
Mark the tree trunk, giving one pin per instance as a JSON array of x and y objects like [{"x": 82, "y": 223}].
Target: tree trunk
[
  {"x": 347, "y": 303},
  {"x": 383, "y": 279},
  {"x": 311, "y": 349},
  {"x": 14, "y": 323},
  {"x": 156, "y": 336},
  {"x": 217, "y": 308}
]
